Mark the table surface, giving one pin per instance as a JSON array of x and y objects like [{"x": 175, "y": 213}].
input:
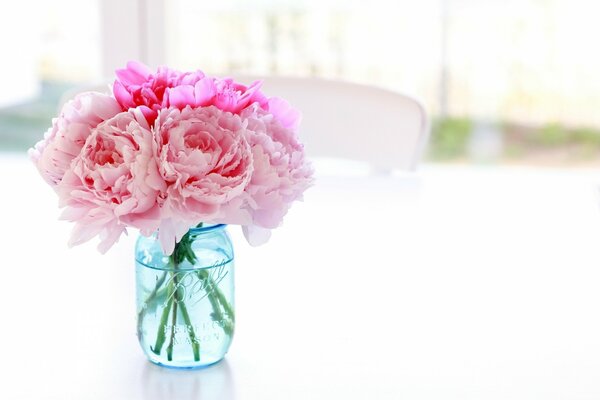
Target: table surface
[{"x": 456, "y": 282}]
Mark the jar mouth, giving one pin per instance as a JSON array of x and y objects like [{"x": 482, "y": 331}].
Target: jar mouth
[{"x": 207, "y": 228}]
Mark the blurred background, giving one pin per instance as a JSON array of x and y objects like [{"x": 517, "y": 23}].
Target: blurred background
[
  {"x": 461, "y": 282},
  {"x": 509, "y": 81}
]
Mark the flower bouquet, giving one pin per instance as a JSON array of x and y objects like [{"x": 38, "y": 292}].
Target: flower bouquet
[{"x": 176, "y": 155}]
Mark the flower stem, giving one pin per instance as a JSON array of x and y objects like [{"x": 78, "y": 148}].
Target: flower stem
[
  {"x": 220, "y": 296},
  {"x": 217, "y": 300},
  {"x": 162, "y": 325},
  {"x": 160, "y": 335},
  {"x": 175, "y": 301},
  {"x": 186, "y": 318},
  {"x": 226, "y": 306},
  {"x": 191, "y": 333},
  {"x": 150, "y": 298}
]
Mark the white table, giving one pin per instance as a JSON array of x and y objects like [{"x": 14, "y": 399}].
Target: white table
[{"x": 458, "y": 283}]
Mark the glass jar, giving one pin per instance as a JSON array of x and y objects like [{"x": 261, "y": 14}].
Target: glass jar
[{"x": 185, "y": 301}]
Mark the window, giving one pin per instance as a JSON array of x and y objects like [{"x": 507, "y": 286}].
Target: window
[
  {"x": 53, "y": 46},
  {"x": 522, "y": 69}
]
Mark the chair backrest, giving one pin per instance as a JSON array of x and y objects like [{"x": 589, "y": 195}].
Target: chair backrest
[
  {"x": 344, "y": 120},
  {"x": 388, "y": 130}
]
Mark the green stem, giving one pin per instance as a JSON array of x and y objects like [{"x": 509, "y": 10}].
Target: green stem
[
  {"x": 220, "y": 296},
  {"x": 186, "y": 318},
  {"x": 150, "y": 298},
  {"x": 183, "y": 251},
  {"x": 162, "y": 326},
  {"x": 160, "y": 335},
  {"x": 175, "y": 301},
  {"x": 217, "y": 300},
  {"x": 226, "y": 306},
  {"x": 191, "y": 333}
]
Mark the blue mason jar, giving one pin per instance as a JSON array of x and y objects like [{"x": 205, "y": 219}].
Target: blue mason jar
[{"x": 185, "y": 301}]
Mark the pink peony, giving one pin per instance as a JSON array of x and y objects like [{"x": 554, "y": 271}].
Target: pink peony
[
  {"x": 225, "y": 94},
  {"x": 234, "y": 97},
  {"x": 137, "y": 86},
  {"x": 281, "y": 174},
  {"x": 283, "y": 112},
  {"x": 64, "y": 140},
  {"x": 170, "y": 150},
  {"x": 206, "y": 162},
  {"x": 114, "y": 182}
]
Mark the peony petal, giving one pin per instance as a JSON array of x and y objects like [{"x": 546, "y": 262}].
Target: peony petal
[
  {"x": 149, "y": 114},
  {"x": 140, "y": 68},
  {"x": 255, "y": 235},
  {"x": 136, "y": 73},
  {"x": 82, "y": 232},
  {"x": 73, "y": 213},
  {"x": 123, "y": 96},
  {"x": 204, "y": 91},
  {"x": 109, "y": 236},
  {"x": 190, "y": 78},
  {"x": 170, "y": 232},
  {"x": 181, "y": 96},
  {"x": 288, "y": 116},
  {"x": 248, "y": 93}
]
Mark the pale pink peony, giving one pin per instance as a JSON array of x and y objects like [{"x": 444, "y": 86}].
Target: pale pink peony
[
  {"x": 64, "y": 140},
  {"x": 281, "y": 173},
  {"x": 206, "y": 162},
  {"x": 114, "y": 182}
]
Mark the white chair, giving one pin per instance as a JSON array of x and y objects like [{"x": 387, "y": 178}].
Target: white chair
[
  {"x": 388, "y": 130},
  {"x": 344, "y": 120}
]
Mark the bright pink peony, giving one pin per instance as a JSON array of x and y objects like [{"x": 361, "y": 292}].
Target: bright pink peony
[
  {"x": 281, "y": 173},
  {"x": 225, "y": 94},
  {"x": 137, "y": 86},
  {"x": 114, "y": 182},
  {"x": 64, "y": 140},
  {"x": 283, "y": 112},
  {"x": 234, "y": 97},
  {"x": 206, "y": 162}
]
